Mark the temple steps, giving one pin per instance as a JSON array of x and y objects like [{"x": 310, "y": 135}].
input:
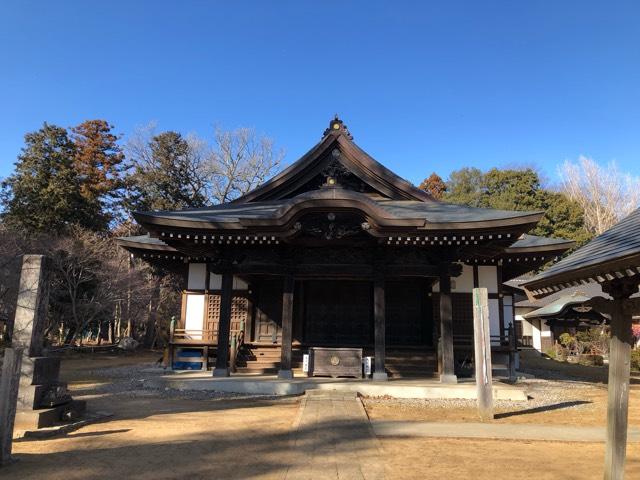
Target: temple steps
[{"x": 401, "y": 362}]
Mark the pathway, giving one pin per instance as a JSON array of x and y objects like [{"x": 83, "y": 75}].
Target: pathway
[
  {"x": 502, "y": 431},
  {"x": 333, "y": 439}
]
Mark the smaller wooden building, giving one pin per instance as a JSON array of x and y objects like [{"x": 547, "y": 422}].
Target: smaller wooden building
[{"x": 338, "y": 251}]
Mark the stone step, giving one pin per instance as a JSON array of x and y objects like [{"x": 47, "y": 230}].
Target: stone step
[{"x": 48, "y": 417}]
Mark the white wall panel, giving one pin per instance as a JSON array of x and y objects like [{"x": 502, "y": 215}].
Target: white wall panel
[
  {"x": 239, "y": 284},
  {"x": 215, "y": 281},
  {"x": 464, "y": 283},
  {"x": 197, "y": 276},
  {"x": 488, "y": 278},
  {"x": 494, "y": 316},
  {"x": 527, "y": 328}
]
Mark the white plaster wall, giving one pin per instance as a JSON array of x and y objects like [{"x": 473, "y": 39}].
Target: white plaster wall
[
  {"x": 488, "y": 278},
  {"x": 464, "y": 283},
  {"x": 239, "y": 284},
  {"x": 197, "y": 276},
  {"x": 494, "y": 316},
  {"x": 527, "y": 328},
  {"x": 215, "y": 283},
  {"x": 507, "y": 303},
  {"x": 194, "y": 314},
  {"x": 535, "y": 327}
]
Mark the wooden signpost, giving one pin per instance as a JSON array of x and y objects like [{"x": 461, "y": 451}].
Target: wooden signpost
[
  {"x": 620, "y": 309},
  {"x": 482, "y": 349}
]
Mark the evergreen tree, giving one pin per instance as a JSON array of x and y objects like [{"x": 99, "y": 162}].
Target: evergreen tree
[
  {"x": 98, "y": 161},
  {"x": 167, "y": 174},
  {"x": 465, "y": 187},
  {"x": 519, "y": 190},
  {"x": 43, "y": 194}
]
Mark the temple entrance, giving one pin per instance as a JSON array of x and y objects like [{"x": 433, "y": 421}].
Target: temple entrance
[
  {"x": 408, "y": 313},
  {"x": 337, "y": 312},
  {"x": 340, "y": 313}
]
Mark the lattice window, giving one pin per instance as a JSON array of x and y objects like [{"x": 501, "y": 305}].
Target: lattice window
[
  {"x": 239, "y": 312},
  {"x": 213, "y": 315}
]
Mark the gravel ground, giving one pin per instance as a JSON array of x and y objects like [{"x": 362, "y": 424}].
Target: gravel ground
[
  {"x": 132, "y": 381},
  {"x": 541, "y": 393}
]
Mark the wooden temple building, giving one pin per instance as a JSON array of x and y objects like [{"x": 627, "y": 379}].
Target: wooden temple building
[{"x": 338, "y": 251}]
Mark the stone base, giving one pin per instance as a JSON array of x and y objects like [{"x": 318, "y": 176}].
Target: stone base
[
  {"x": 47, "y": 417},
  {"x": 220, "y": 372},
  {"x": 380, "y": 376},
  {"x": 285, "y": 374},
  {"x": 32, "y": 396},
  {"x": 40, "y": 370},
  {"x": 449, "y": 379}
]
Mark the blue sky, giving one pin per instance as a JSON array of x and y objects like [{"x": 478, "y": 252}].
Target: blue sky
[{"x": 423, "y": 86}]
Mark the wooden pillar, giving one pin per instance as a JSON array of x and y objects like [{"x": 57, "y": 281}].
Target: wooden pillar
[
  {"x": 379, "y": 372},
  {"x": 9, "y": 383},
  {"x": 482, "y": 350},
  {"x": 618, "y": 401},
  {"x": 287, "y": 328},
  {"x": 447, "y": 374},
  {"x": 500, "y": 301},
  {"x": 224, "y": 327}
]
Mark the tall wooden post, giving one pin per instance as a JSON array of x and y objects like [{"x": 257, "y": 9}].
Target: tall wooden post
[
  {"x": 224, "y": 326},
  {"x": 482, "y": 349},
  {"x": 285, "y": 371},
  {"x": 618, "y": 401},
  {"x": 379, "y": 372},
  {"x": 447, "y": 374},
  {"x": 9, "y": 383}
]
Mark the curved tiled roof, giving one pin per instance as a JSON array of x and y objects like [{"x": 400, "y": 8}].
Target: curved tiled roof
[{"x": 616, "y": 250}]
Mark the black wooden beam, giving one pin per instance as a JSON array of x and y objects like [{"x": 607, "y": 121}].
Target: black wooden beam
[
  {"x": 379, "y": 308},
  {"x": 287, "y": 328},
  {"x": 224, "y": 327},
  {"x": 446, "y": 327}
]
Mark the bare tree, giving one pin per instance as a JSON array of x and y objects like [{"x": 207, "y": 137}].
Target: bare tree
[
  {"x": 606, "y": 194},
  {"x": 235, "y": 162},
  {"x": 240, "y": 160}
]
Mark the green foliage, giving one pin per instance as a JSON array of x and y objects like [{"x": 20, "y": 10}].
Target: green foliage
[
  {"x": 520, "y": 190},
  {"x": 44, "y": 192},
  {"x": 635, "y": 359},
  {"x": 566, "y": 339},
  {"x": 465, "y": 187},
  {"x": 167, "y": 175}
]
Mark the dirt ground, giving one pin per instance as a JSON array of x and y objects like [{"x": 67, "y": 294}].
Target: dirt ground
[{"x": 170, "y": 435}]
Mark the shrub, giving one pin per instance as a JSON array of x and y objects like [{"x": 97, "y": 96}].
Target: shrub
[{"x": 635, "y": 359}]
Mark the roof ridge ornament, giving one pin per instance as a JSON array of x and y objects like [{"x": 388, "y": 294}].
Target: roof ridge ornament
[{"x": 337, "y": 126}]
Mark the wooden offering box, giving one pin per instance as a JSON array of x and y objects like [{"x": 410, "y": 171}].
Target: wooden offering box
[{"x": 335, "y": 362}]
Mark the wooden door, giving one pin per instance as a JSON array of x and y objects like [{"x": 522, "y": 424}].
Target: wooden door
[
  {"x": 406, "y": 315},
  {"x": 338, "y": 312},
  {"x": 268, "y": 320}
]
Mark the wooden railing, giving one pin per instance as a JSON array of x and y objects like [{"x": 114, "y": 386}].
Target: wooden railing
[
  {"x": 525, "y": 341},
  {"x": 236, "y": 341},
  {"x": 506, "y": 342},
  {"x": 507, "y": 339},
  {"x": 198, "y": 338}
]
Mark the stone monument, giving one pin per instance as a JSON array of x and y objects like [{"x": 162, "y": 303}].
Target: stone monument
[{"x": 43, "y": 401}]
